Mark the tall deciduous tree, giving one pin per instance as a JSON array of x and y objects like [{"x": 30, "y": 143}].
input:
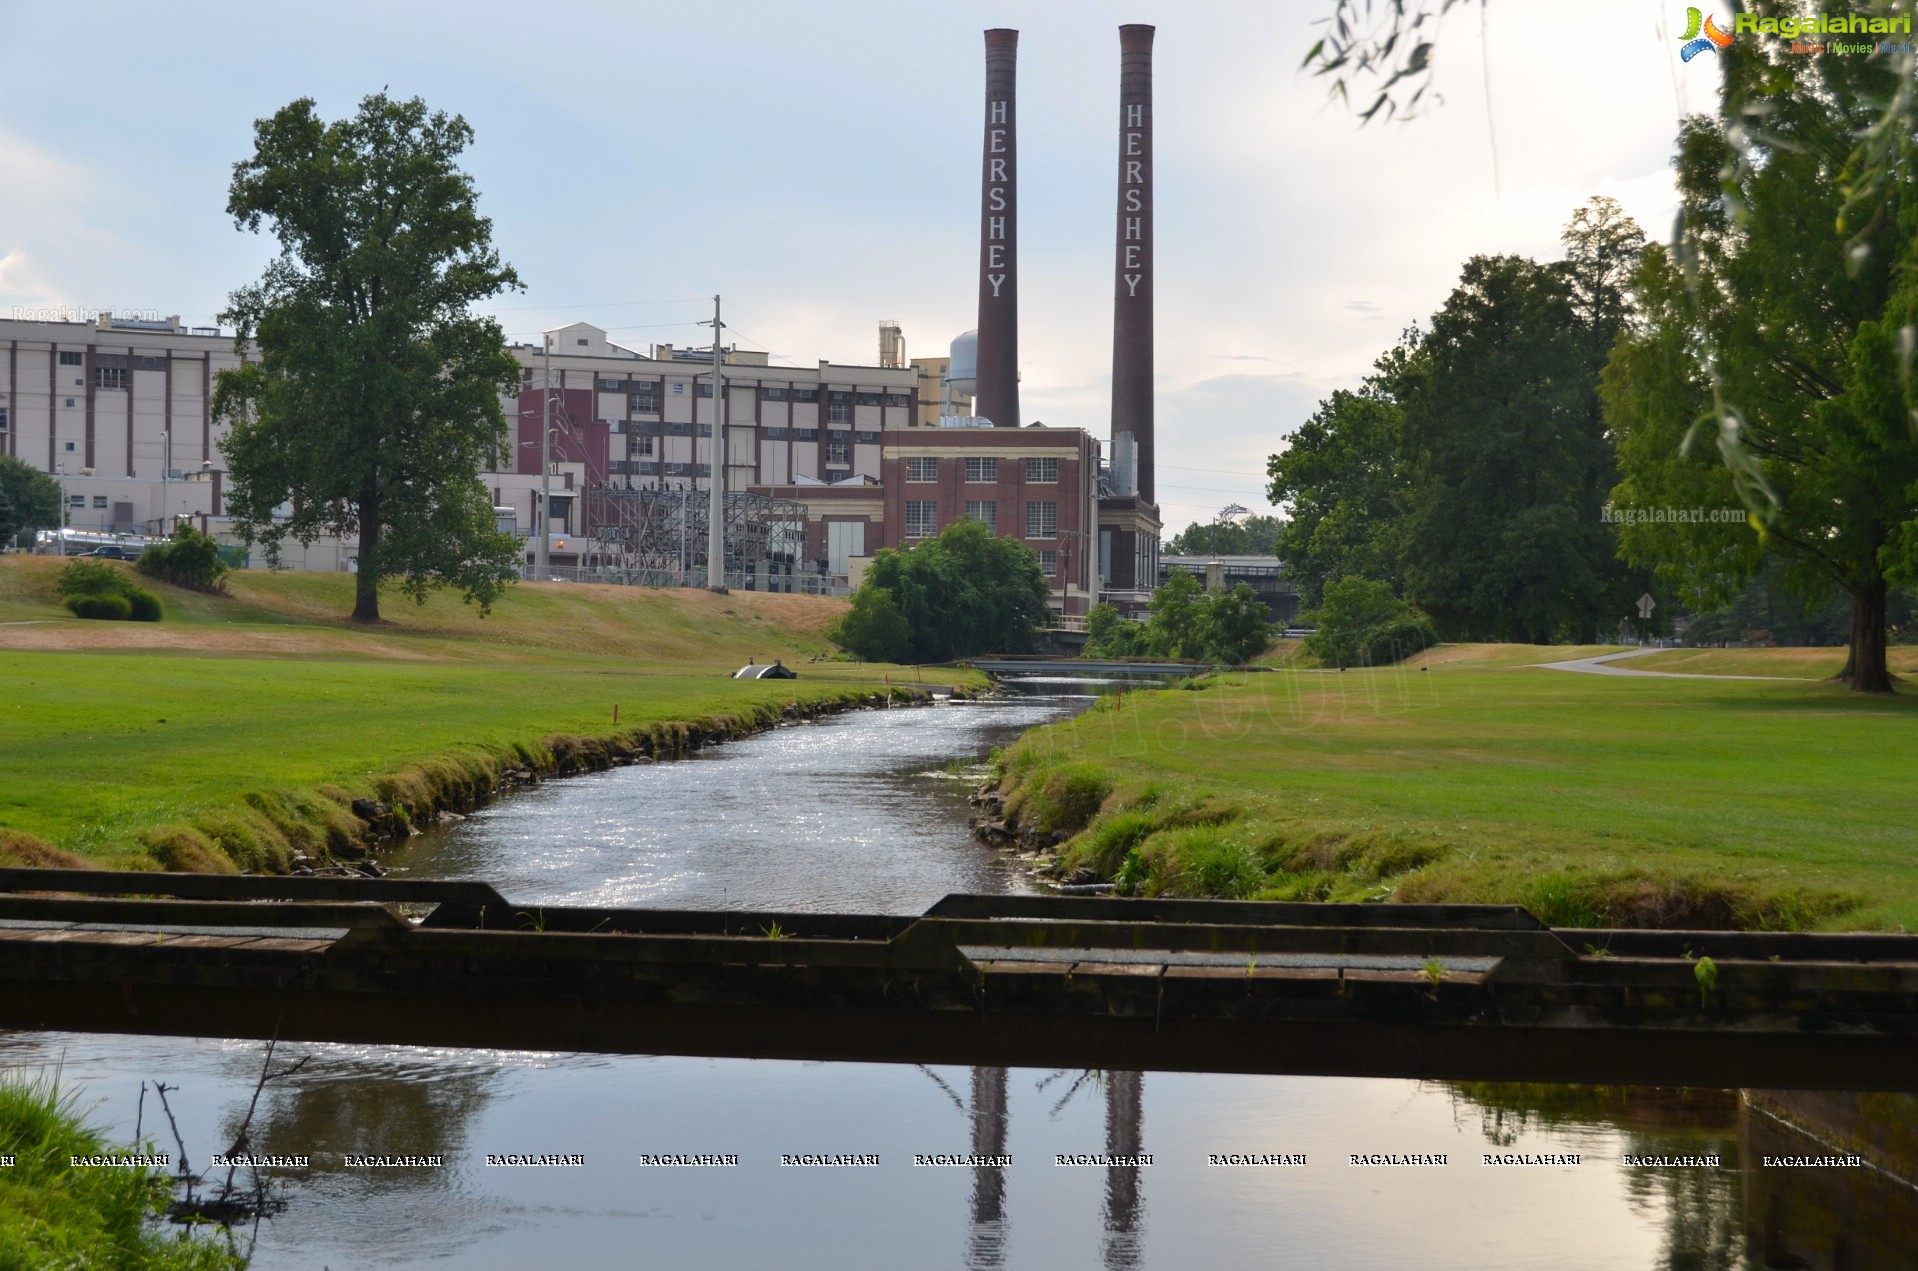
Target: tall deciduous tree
[
  {"x": 1797, "y": 343},
  {"x": 1342, "y": 478},
  {"x": 1505, "y": 538},
  {"x": 375, "y": 403}
]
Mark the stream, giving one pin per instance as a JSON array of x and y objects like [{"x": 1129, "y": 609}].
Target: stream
[{"x": 866, "y": 812}]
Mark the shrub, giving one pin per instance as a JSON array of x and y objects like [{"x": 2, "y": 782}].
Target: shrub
[
  {"x": 143, "y": 605},
  {"x": 1213, "y": 863},
  {"x": 188, "y": 559},
  {"x": 111, "y": 606},
  {"x": 86, "y": 577},
  {"x": 1362, "y": 623}
]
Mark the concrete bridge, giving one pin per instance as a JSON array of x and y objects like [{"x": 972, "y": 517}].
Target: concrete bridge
[
  {"x": 1094, "y": 668},
  {"x": 1481, "y": 992}
]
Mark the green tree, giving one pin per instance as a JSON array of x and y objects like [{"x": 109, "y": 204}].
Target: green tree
[
  {"x": 1110, "y": 635},
  {"x": 1177, "y": 628},
  {"x": 1343, "y": 480},
  {"x": 375, "y": 403},
  {"x": 963, "y": 592},
  {"x": 1505, "y": 540},
  {"x": 32, "y": 498},
  {"x": 1362, "y": 623},
  {"x": 1791, "y": 345},
  {"x": 873, "y": 628},
  {"x": 1232, "y": 536},
  {"x": 1236, "y": 628}
]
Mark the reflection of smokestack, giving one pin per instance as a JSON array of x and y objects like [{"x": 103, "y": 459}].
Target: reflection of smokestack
[
  {"x": 1125, "y": 1136},
  {"x": 1132, "y": 293},
  {"x": 986, "y": 1240},
  {"x": 998, "y": 395}
]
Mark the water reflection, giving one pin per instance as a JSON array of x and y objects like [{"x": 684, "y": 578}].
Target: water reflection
[
  {"x": 986, "y": 1234},
  {"x": 1697, "y": 1208}
]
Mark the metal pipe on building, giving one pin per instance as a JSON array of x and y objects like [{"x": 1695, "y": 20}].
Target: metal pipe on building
[
  {"x": 542, "y": 566},
  {"x": 716, "y": 508},
  {"x": 1132, "y": 273},
  {"x": 997, "y": 398}
]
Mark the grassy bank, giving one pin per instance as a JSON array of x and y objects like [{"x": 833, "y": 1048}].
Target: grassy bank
[
  {"x": 1470, "y": 775},
  {"x": 241, "y": 730},
  {"x": 54, "y": 1215}
]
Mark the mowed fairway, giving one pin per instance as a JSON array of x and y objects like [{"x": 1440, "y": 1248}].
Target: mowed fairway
[
  {"x": 113, "y": 729},
  {"x": 1593, "y": 799}
]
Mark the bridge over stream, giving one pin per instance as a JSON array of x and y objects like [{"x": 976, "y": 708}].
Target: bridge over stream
[{"x": 1426, "y": 991}]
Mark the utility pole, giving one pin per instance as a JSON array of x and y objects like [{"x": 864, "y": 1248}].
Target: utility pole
[
  {"x": 540, "y": 568},
  {"x": 716, "y": 510}
]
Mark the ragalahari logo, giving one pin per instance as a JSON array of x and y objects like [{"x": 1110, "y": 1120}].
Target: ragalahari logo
[{"x": 1713, "y": 39}]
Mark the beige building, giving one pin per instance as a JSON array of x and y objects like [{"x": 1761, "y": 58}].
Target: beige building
[
  {"x": 127, "y": 398},
  {"x": 622, "y": 419},
  {"x": 932, "y": 372}
]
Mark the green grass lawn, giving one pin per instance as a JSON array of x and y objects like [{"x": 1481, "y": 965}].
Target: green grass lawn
[
  {"x": 239, "y": 709},
  {"x": 1812, "y": 664},
  {"x": 1592, "y": 799}
]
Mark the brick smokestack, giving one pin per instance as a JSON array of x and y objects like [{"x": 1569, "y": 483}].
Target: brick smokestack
[
  {"x": 997, "y": 397},
  {"x": 1132, "y": 291}
]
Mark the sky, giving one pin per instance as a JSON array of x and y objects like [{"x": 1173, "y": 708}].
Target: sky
[{"x": 818, "y": 167}]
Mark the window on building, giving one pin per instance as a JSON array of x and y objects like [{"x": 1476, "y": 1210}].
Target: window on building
[
  {"x": 705, "y": 430},
  {"x": 3, "y": 418},
  {"x": 772, "y": 394},
  {"x": 109, "y": 377},
  {"x": 1042, "y": 519},
  {"x": 1049, "y": 563},
  {"x": 984, "y": 511},
  {"x": 679, "y": 390},
  {"x": 837, "y": 414},
  {"x": 76, "y": 500},
  {"x": 984, "y": 471},
  {"x": 922, "y": 469},
  {"x": 703, "y": 389},
  {"x": 775, "y": 434},
  {"x": 1042, "y": 470},
  {"x": 898, "y": 399},
  {"x": 866, "y": 438},
  {"x": 805, "y": 394},
  {"x": 612, "y": 386},
  {"x": 141, "y": 362},
  {"x": 69, "y": 444},
  {"x": 100, "y": 501},
  {"x": 648, "y": 468},
  {"x": 705, "y": 470},
  {"x": 646, "y": 398},
  {"x": 645, "y": 447},
  {"x": 838, "y": 448},
  {"x": 805, "y": 434},
  {"x": 922, "y": 518},
  {"x": 869, "y": 399},
  {"x": 678, "y": 430},
  {"x": 72, "y": 359},
  {"x": 583, "y": 342}
]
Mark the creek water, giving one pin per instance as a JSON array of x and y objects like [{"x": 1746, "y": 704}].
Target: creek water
[{"x": 863, "y": 812}]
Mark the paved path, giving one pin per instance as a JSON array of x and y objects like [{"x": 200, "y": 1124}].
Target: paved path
[{"x": 1602, "y": 665}]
